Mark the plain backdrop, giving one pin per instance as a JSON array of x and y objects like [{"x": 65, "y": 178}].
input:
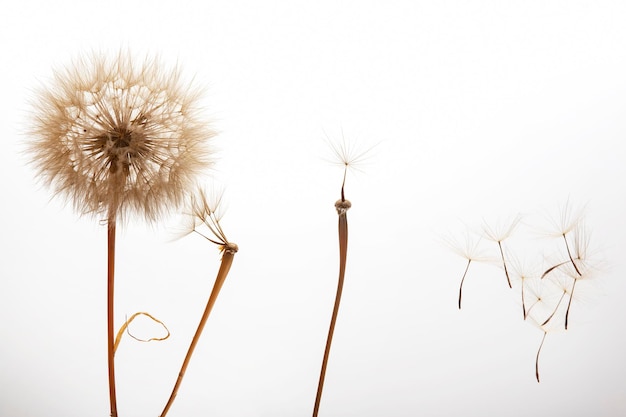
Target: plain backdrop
[{"x": 477, "y": 111}]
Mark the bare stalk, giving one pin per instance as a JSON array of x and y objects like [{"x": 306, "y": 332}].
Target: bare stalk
[
  {"x": 342, "y": 207},
  {"x": 110, "y": 316},
  {"x": 227, "y": 260}
]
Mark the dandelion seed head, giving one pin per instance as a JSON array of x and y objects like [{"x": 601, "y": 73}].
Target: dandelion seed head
[{"x": 116, "y": 136}]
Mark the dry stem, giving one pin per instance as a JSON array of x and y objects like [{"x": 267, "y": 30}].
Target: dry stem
[
  {"x": 110, "y": 324},
  {"x": 227, "y": 261}
]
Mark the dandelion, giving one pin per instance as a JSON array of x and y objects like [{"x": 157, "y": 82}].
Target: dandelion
[
  {"x": 536, "y": 318},
  {"x": 347, "y": 158},
  {"x": 206, "y": 214},
  {"x": 577, "y": 262},
  {"x": 541, "y": 308},
  {"x": 581, "y": 245},
  {"x": 527, "y": 278},
  {"x": 532, "y": 295},
  {"x": 567, "y": 222},
  {"x": 118, "y": 138},
  {"x": 469, "y": 250},
  {"x": 498, "y": 234}
]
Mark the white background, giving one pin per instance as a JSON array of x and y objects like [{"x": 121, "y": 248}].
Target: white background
[{"x": 481, "y": 110}]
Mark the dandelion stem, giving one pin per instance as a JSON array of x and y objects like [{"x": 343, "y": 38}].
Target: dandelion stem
[
  {"x": 343, "y": 250},
  {"x": 227, "y": 261},
  {"x": 537, "y": 358},
  {"x": 569, "y": 303},
  {"x": 469, "y": 261},
  {"x": 506, "y": 271},
  {"x": 110, "y": 316}
]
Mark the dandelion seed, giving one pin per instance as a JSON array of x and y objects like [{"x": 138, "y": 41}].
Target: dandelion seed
[
  {"x": 206, "y": 214},
  {"x": 118, "y": 138},
  {"x": 581, "y": 245},
  {"x": 541, "y": 310},
  {"x": 561, "y": 227},
  {"x": 469, "y": 250},
  {"x": 533, "y": 291},
  {"x": 498, "y": 235},
  {"x": 525, "y": 276}
]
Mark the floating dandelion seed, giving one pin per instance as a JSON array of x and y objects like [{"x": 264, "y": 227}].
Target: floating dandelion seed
[
  {"x": 115, "y": 138},
  {"x": 532, "y": 295},
  {"x": 535, "y": 318},
  {"x": 469, "y": 250},
  {"x": 526, "y": 276},
  {"x": 204, "y": 213},
  {"x": 568, "y": 221},
  {"x": 498, "y": 234},
  {"x": 581, "y": 246}
]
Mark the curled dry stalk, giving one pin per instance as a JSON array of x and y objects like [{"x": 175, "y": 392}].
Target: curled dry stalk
[{"x": 201, "y": 210}]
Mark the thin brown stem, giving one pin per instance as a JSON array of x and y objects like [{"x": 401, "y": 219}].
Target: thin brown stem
[
  {"x": 537, "y": 358},
  {"x": 569, "y": 303},
  {"x": 569, "y": 253},
  {"x": 110, "y": 316},
  {"x": 469, "y": 261},
  {"x": 523, "y": 301},
  {"x": 343, "y": 250},
  {"x": 506, "y": 271},
  {"x": 227, "y": 261}
]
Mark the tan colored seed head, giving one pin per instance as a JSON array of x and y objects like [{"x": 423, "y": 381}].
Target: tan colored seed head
[{"x": 116, "y": 136}]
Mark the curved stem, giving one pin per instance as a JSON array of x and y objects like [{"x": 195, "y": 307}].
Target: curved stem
[
  {"x": 569, "y": 303},
  {"x": 227, "y": 261},
  {"x": 506, "y": 271},
  {"x": 469, "y": 261},
  {"x": 537, "y": 358},
  {"x": 110, "y": 316},
  {"x": 343, "y": 250}
]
